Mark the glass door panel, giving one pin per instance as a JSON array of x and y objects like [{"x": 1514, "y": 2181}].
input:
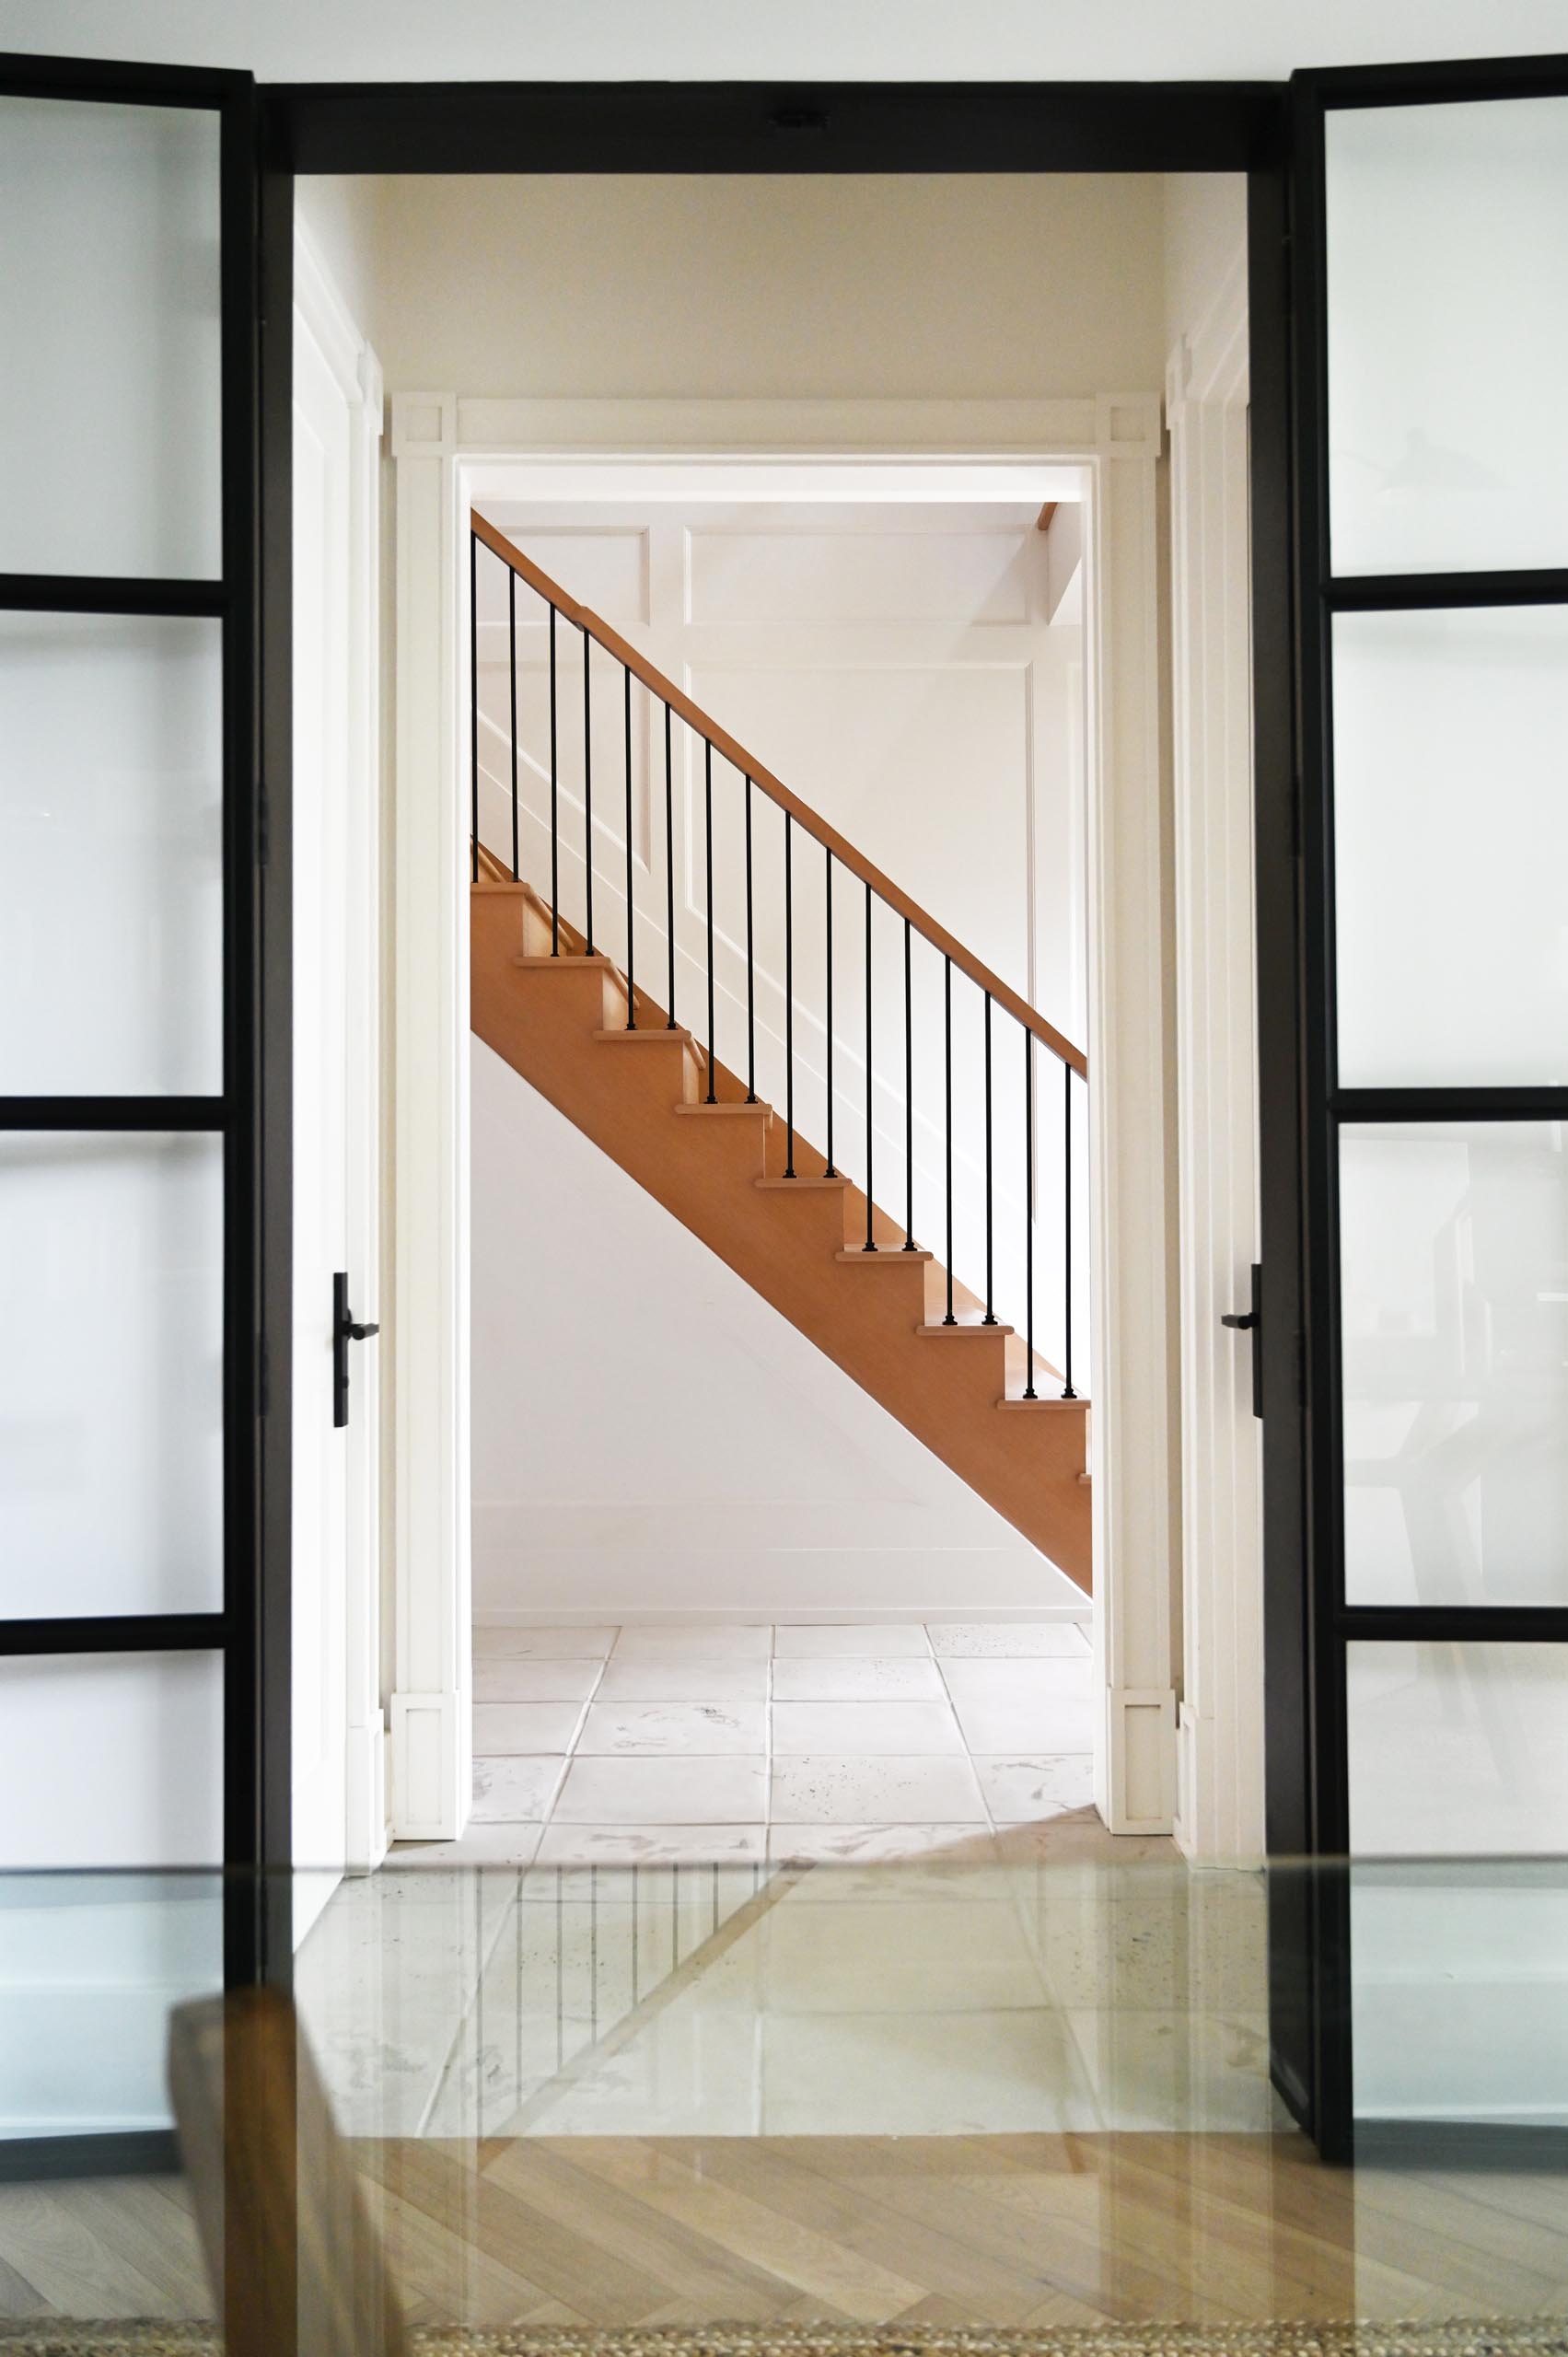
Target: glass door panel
[
  {"x": 1450, "y": 755},
  {"x": 111, "y": 1374},
  {"x": 1447, "y": 335},
  {"x": 111, "y": 364},
  {"x": 110, "y": 855}
]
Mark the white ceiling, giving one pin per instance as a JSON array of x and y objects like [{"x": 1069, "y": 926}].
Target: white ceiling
[{"x": 764, "y": 40}]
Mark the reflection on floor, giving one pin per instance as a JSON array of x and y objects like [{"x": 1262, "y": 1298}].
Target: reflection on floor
[
  {"x": 981, "y": 1992},
  {"x": 742, "y": 1741}
]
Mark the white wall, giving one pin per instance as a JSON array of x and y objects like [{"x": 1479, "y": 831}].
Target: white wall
[
  {"x": 650, "y": 1436},
  {"x": 649, "y": 287},
  {"x": 627, "y": 41}
]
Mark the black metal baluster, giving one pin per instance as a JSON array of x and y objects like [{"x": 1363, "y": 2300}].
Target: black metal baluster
[
  {"x": 789, "y": 1009},
  {"x": 554, "y": 812},
  {"x": 1067, "y": 1390},
  {"x": 990, "y": 1317},
  {"x": 909, "y": 1245},
  {"x": 587, "y": 796},
  {"x": 669, "y": 868},
  {"x": 1030, "y": 1392},
  {"x": 750, "y": 968},
  {"x": 512, "y": 648},
  {"x": 631, "y": 910},
  {"x": 947, "y": 1062},
  {"x": 473, "y": 687},
  {"x": 870, "y": 1243},
  {"x": 830, "y": 1172},
  {"x": 708, "y": 895}
]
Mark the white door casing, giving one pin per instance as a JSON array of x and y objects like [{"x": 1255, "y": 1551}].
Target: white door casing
[
  {"x": 1220, "y": 1751},
  {"x": 339, "y": 1812},
  {"x": 442, "y": 444}
]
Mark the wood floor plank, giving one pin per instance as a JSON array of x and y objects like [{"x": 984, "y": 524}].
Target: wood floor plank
[
  {"x": 56, "y": 2236},
  {"x": 564, "y": 2181},
  {"x": 793, "y": 2257}
]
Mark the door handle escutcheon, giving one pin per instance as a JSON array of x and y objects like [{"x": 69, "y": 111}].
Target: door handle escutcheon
[
  {"x": 1250, "y": 1321},
  {"x": 346, "y": 1329}
]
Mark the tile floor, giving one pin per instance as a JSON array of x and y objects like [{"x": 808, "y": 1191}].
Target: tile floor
[{"x": 741, "y": 1742}]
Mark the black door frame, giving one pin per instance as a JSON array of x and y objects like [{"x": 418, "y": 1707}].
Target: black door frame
[
  {"x": 252, "y": 1115},
  {"x": 1300, "y": 1046}
]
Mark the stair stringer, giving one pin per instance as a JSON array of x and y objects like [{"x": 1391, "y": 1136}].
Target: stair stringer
[{"x": 712, "y": 1169}]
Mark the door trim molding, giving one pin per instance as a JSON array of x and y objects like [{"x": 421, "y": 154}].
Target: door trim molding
[{"x": 440, "y": 441}]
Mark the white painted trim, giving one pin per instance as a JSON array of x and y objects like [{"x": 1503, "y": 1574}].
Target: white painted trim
[
  {"x": 357, "y": 371},
  {"x": 522, "y": 1616},
  {"x": 441, "y": 443},
  {"x": 1130, "y": 1129},
  {"x": 1220, "y": 1744}
]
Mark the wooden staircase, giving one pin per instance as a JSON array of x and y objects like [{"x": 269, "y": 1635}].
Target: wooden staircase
[{"x": 639, "y": 1091}]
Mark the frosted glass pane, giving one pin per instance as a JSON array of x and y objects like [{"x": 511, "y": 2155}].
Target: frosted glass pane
[
  {"x": 112, "y": 1759},
  {"x": 1454, "y": 1309},
  {"x": 110, "y": 361},
  {"x": 110, "y": 855},
  {"x": 1450, "y": 845},
  {"x": 1447, "y": 268},
  {"x": 1459, "y": 1974},
  {"x": 90, "y": 1968},
  {"x": 111, "y": 1374}
]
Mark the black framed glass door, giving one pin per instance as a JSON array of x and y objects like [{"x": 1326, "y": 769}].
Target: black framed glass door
[
  {"x": 130, "y": 1164},
  {"x": 1419, "y": 1460}
]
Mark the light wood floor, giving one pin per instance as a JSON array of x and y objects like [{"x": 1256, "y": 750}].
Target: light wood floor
[{"x": 995, "y": 2230}]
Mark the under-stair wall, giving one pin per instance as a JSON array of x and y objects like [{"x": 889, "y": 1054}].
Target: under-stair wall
[{"x": 651, "y": 1435}]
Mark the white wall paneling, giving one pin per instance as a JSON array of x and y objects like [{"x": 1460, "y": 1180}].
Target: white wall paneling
[
  {"x": 1220, "y": 1753},
  {"x": 340, "y": 1812},
  {"x": 447, "y": 449}
]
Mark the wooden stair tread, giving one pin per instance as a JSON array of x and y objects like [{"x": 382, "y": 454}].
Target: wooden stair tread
[
  {"x": 569, "y": 962},
  {"x": 855, "y": 1256},
  {"x": 798, "y": 1182},
  {"x": 947, "y": 1331},
  {"x": 1045, "y": 1406},
  {"x": 720, "y": 1106},
  {"x": 643, "y": 1036}
]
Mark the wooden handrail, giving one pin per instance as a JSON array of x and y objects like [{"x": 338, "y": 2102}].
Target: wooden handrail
[{"x": 818, "y": 828}]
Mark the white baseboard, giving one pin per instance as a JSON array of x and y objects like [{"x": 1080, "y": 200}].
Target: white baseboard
[{"x": 638, "y": 1616}]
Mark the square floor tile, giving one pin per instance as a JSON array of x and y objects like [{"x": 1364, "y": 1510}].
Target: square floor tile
[
  {"x": 978, "y": 1639},
  {"x": 865, "y": 1728},
  {"x": 524, "y": 1726},
  {"x": 543, "y": 1645},
  {"x": 651, "y": 1845},
  {"x": 1033, "y": 1726},
  {"x": 673, "y": 1729},
  {"x": 686, "y": 1641},
  {"x": 665, "y": 1791},
  {"x": 1021, "y": 1791},
  {"x": 967, "y": 1847},
  {"x": 683, "y": 1682},
  {"x": 884, "y": 1641},
  {"x": 849, "y": 1678},
  {"x": 506, "y": 1678},
  {"x": 521, "y": 1789},
  {"x": 817, "y": 1790},
  {"x": 913, "y": 1956},
  {"x": 496, "y": 1845},
  {"x": 1015, "y": 1678}
]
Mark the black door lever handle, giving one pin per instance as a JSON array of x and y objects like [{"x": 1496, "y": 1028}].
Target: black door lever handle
[
  {"x": 346, "y": 1329},
  {"x": 1250, "y": 1321}
]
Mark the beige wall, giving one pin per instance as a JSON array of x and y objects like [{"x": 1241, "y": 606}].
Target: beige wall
[{"x": 928, "y": 287}]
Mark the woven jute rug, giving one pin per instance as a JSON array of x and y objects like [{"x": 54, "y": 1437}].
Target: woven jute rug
[{"x": 1487, "y": 2337}]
